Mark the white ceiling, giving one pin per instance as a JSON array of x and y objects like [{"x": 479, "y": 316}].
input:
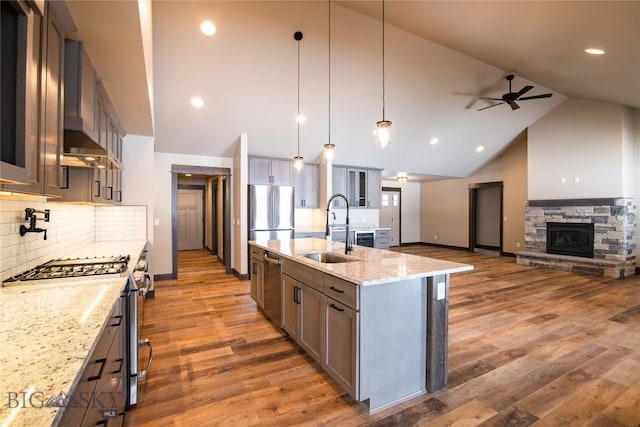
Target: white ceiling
[{"x": 245, "y": 73}]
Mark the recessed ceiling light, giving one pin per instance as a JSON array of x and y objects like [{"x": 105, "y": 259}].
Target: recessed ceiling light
[
  {"x": 208, "y": 28},
  {"x": 594, "y": 51},
  {"x": 187, "y": 174},
  {"x": 301, "y": 118},
  {"x": 479, "y": 148},
  {"x": 434, "y": 140},
  {"x": 197, "y": 102}
]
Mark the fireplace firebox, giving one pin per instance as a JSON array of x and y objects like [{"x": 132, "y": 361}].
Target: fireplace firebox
[{"x": 570, "y": 238}]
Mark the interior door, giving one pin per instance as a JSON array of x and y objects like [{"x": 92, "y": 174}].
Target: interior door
[
  {"x": 390, "y": 215},
  {"x": 190, "y": 218}
]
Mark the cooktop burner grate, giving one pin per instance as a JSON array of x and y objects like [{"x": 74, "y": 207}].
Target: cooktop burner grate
[{"x": 74, "y": 267}]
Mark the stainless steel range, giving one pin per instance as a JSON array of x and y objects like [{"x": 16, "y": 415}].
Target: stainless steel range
[{"x": 78, "y": 267}]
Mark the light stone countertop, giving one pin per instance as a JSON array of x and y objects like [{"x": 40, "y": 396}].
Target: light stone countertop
[
  {"x": 48, "y": 329},
  {"x": 370, "y": 266}
]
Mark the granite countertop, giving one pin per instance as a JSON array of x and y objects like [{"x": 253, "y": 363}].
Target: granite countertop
[
  {"x": 47, "y": 330},
  {"x": 369, "y": 266}
]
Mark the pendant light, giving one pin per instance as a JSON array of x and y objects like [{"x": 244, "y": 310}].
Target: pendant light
[
  {"x": 298, "y": 161},
  {"x": 329, "y": 148},
  {"x": 383, "y": 127}
]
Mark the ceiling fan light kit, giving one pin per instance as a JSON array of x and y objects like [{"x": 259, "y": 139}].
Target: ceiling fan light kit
[{"x": 511, "y": 97}]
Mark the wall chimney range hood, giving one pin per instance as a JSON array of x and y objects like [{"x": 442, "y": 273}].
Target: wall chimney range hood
[
  {"x": 82, "y": 151},
  {"x": 90, "y": 121}
]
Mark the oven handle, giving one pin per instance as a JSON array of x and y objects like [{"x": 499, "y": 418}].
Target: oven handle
[{"x": 145, "y": 343}]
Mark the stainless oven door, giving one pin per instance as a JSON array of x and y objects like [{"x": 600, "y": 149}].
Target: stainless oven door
[{"x": 135, "y": 314}]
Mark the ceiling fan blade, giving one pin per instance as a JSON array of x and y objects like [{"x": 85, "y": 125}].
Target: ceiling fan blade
[
  {"x": 492, "y": 99},
  {"x": 513, "y": 105},
  {"x": 523, "y": 91},
  {"x": 544, "y": 95},
  {"x": 494, "y": 105}
]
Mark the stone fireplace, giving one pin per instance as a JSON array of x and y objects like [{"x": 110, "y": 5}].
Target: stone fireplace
[{"x": 594, "y": 236}]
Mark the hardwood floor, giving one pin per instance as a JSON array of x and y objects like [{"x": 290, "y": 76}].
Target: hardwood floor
[{"x": 527, "y": 346}]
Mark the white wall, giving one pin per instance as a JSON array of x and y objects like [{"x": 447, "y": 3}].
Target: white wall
[
  {"x": 582, "y": 139},
  {"x": 240, "y": 180},
  {"x": 137, "y": 177},
  {"x": 636, "y": 132},
  {"x": 161, "y": 186},
  {"x": 409, "y": 210}
]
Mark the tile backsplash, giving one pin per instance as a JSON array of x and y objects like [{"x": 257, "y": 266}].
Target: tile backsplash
[
  {"x": 121, "y": 223},
  {"x": 71, "y": 227}
]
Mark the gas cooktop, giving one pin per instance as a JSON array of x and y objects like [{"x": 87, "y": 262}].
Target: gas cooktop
[{"x": 75, "y": 267}]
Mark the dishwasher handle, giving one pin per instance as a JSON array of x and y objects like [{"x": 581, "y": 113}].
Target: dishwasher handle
[{"x": 270, "y": 259}]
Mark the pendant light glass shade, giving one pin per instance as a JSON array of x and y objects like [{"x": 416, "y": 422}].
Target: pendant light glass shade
[
  {"x": 298, "y": 161},
  {"x": 383, "y": 134},
  {"x": 329, "y": 151},
  {"x": 383, "y": 127}
]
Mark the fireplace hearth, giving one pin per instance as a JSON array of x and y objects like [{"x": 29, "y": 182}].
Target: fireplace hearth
[{"x": 570, "y": 238}]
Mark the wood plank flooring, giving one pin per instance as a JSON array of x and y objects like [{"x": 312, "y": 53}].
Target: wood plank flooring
[{"x": 527, "y": 346}]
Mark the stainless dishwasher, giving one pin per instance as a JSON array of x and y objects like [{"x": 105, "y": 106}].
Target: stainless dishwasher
[{"x": 273, "y": 287}]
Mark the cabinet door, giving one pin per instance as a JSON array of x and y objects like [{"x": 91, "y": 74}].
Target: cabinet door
[
  {"x": 305, "y": 185},
  {"x": 257, "y": 282},
  {"x": 290, "y": 306},
  {"x": 341, "y": 346},
  {"x": 53, "y": 113},
  {"x": 259, "y": 170},
  {"x": 19, "y": 96},
  {"x": 282, "y": 172},
  {"x": 310, "y": 337},
  {"x": 357, "y": 188},
  {"x": 339, "y": 185},
  {"x": 374, "y": 188}
]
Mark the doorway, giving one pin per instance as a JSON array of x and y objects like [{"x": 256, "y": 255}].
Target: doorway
[
  {"x": 390, "y": 213},
  {"x": 485, "y": 217},
  {"x": 191, "y": 217},
  {"x": 221, "y": 206}
]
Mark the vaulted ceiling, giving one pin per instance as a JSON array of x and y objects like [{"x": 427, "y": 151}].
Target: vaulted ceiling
[{"x": 439, "y": 57}]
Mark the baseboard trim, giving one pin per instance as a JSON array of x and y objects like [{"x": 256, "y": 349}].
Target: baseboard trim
[
  {"x": 240, "y": 276},
  {"x": 166, "y": 276},
  {"x": 438, "y": 245}
]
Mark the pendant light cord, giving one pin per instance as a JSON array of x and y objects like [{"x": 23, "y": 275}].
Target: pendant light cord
[
  {"x": 383, "y": 79},
  {"x": 329, "y": 112},
  {"x": 298, "y": 116}
]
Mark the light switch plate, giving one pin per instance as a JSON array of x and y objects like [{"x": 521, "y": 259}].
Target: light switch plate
[{"x": 440, "y": 290}]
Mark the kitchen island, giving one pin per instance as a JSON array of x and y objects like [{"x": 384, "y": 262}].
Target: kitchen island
[
  {"x": 375, "y": 320},
  {"x": 48, "y": 329}
]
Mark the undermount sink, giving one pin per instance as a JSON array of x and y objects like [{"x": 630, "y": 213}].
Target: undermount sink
[{"x": 328, "y": 257}]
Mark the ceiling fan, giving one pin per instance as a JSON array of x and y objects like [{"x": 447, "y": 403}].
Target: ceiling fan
[{"x": 511, "y": 97}]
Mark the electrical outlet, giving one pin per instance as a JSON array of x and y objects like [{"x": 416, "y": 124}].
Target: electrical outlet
[
  {"x": 564, "y": 180},
  {"x": 576, "y": 180},
  {"x": 440, "y": 290},
  {"x": 435, "y": 237},
  {"x": 156, "y": 221},
  {"x": 517, "y": 244}
]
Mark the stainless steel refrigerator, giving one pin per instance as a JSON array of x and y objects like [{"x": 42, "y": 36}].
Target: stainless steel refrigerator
[{"x": 271, "y": 210}]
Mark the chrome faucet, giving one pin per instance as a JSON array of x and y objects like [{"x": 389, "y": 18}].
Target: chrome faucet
[{"x": 347, "y": 247}]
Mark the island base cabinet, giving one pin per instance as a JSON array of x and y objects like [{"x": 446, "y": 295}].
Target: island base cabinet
[
  {"x": 302, "y": 315},
  {"x": 310, "y": 333},
  {"x": 341, "y": 359},
  {"x": 257, "y": 282},
  {"x": 290, "y": 307}
]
